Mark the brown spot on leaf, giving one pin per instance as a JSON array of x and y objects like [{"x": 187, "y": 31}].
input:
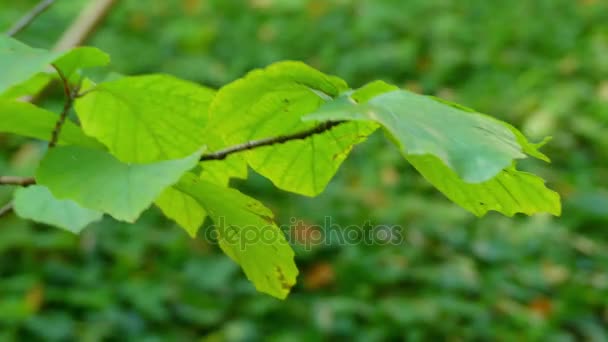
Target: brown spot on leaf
[{"x": 285, "y": 284}]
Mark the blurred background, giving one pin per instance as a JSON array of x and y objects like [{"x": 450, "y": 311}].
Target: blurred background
[{"x": 541, "y": 65}]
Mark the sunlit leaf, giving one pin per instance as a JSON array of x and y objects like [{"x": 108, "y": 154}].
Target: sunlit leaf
[
  {"x": 146, "y": 118},
  {"x": 270, "y": 102},
  {"x": 466, "y": 155}
]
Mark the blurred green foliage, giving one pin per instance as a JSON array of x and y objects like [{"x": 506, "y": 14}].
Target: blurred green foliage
[{"x": 541, "y": 65}]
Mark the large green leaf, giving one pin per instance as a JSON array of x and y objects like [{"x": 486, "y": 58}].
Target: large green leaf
[
  {"x": 34, "y": 122},
  {"x": 509, "y": 192},
  {"x": 476, "y": 146},
  {"x": 146, "y": 118},
  {"x": 20, "y": 62},
  {"x": 97, "y": 180},
  {"x": 270, "y": 102},
  {"x": 37, "y": 203},
  {"x": 248, "y": 234}
]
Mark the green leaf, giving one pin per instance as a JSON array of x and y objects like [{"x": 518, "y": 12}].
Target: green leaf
[
  {"x": 20, "y": 62},
  {"x": 38, "y": 204},
  {"x": 97, "y": 180},
  {"x": 474, "y": 145},
  {"x": 248, "y": 234},
  {"x": 509, "y": 192},
  {"x": 80, "y": 58},
  {"x": 432, "y": 126},
  {"x": 270, "y": 102},
  {"x": 34, "y": 122},
  {"x": 148, "y": 118}
]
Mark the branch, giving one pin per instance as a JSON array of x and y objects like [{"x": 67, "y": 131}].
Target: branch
[
  {"x": 19, "y": 181},
  {"x": 85, "y": 24},
  {"x": 250, "y": 145},
  {"x": 29, "y": 17},
  {"x": 70, "y": 95}
]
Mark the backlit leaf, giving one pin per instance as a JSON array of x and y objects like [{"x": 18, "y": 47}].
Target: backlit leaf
[
  {"x": 466, "y": 155},
  {"x": 148, "y": 118},
  {"x": 270, "y": 102}
]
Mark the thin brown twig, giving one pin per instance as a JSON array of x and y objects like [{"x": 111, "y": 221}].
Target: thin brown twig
[
  {"x": 85, "y": 24},
  {"x": 29, "y": 17},
  {"x": 18, "y": 181},
  {"x": 64, "y": 81},
  {"x": 70, "y": 95},
  {"x": 218, "y": 155},
  {"x": 222, "y": 154}
]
